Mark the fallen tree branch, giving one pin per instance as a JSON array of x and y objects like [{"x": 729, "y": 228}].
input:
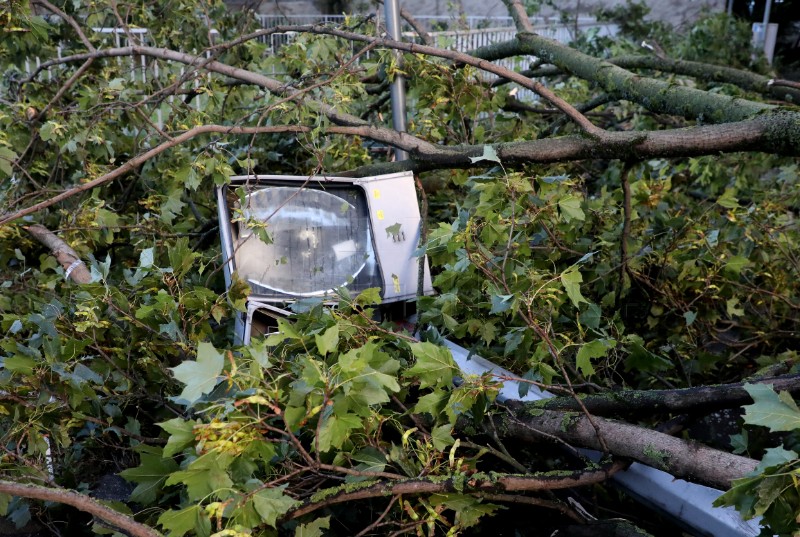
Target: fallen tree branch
[
  {"x": 475, "y": 484},
  {"x": 753, "y": 135},
  {"x": 410, "y": 19},
  {"x": 784, "y": 90},
  {"x": 79, "y": 501},
  {"x": 684, "y": 459},
  {"x": 658, "y": 96},
  {"x": 649, "y": 402},
  {"x": 414, "y": 144},
  {"x": 74, "y": 267},
  {"x": 278, "y": 88}
]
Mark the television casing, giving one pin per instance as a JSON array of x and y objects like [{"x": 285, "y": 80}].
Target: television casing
[{"x": 394, "y": 224}]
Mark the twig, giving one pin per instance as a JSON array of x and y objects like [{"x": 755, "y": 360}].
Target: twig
[
  {"x": 626, "y": 229},
  {"x": 377, "y": 522},
  {"x": 65, "y": 87},
  {"x": 538, "y": 502},
  {"x": 70, "y": 21}
]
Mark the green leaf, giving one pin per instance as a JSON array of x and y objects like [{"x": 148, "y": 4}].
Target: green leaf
[
  {"x": 313, "y": 528},
  {"x": 641, "y": 359},
  {"x": 592, "y": 316},
  {"x": 571, "y": 208},
  {"x": 188, "y": 176},
  {"x": 434, "y": 365},
  {"x": 489, "y": 153},
  {"x": 146, "y": 258},
  {"x": 181, "y": 435},
  {"x": 272, "y": 503},
  {"x": 370, "y": 460},
  {"x": 202, "y": 375},
  {"x": 336, "y": 429},
  {"x": 181, "y": 257},
  {"x": 19, "y": 364},
  {"x": 775, "y": 457},
  {"x": 777, "y": 412},
  {"x": 179, "y": 523},
  {"x": 6, "y": 158},
  {"x": 501, "y": 303},
  {"x": 172, "y": 206},
  {"x": 369, "y": 297},
  {"x": 468, "y": 509},
  {"x": 441, "y": 436},
  {"x": 153, "y": 469},
  {"x": 432, "y": 403},
  {"x": 594, "y": 349},
  {"x": 571, "y": 280},
  {"x": 328, "y": 341},
  {"x": 733, "y": 311},
  {"x": 728, "y": 200},
  {"x": 735, "y": 265},
  {"x": 204, "y": 476}
]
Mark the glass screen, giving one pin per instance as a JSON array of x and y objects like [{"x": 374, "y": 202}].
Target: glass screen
[{"x": 320, "y": 240}]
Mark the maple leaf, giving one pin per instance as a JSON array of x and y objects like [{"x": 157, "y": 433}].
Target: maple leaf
[{"x": 202, "y": 375}]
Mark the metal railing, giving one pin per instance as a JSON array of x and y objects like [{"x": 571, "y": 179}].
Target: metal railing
[
  {"x": 149, "y": 70},
  {"x": 431, "y": 23}
]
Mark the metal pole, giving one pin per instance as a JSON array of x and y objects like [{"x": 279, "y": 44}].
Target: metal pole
[
  {"x": 730, "y": 7},
  {"x": 398, "y": 89},
  {"x": 765, "y": 24}
]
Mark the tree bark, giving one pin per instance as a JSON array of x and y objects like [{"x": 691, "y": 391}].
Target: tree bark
[
  {"x": 75, "y": 269},
  {"x": 658, "y": 96},
  {"x": 684, "y": 459},
  {"x": 79, "y": 501}
]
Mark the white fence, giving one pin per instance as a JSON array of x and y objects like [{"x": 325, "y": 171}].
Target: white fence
[{"x": 431, "y": 23}]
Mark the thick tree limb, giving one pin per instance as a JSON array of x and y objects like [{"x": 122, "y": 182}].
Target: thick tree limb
[
  {"x": 477, "y": 483},
  {"x": 684, "y": 459},
  {"x": 79, "y": 501},
  {"x": 758, "y": 134},
  {"x": 649, "y": 402},
  {"x": 707, "y": 72},
  {"x": 771, "y": 132},
  {"x": 63, "y": 252},
  {"x": 711, "y": 73},
  {"x": 658, "y": 96}
]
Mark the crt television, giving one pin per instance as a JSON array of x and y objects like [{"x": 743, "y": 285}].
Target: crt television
[{"x": 294, "y": 237}]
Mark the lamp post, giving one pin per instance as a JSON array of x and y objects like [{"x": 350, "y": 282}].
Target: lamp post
[{"x": 398, "y": 89}]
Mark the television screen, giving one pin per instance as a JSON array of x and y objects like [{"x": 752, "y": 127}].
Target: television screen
[{"x": 291, "y": 237}]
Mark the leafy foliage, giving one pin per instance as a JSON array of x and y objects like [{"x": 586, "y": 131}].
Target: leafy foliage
[
  {"x": 609, "y": 275},
  {"x": 771, "y": 491}
]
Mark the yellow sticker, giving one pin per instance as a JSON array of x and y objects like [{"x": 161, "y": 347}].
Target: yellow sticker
[
  {"x": 376, "y": 194},
  {"x": 379, "y": 213},
  {"x": 396, "y": 281}
]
